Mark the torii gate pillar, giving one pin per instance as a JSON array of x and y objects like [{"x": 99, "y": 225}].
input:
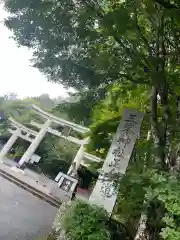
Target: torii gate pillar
[
  {"x": 9, "y": 144},
  {"x": 34, "y": 145},
  {"x": 77, "y": 161}
]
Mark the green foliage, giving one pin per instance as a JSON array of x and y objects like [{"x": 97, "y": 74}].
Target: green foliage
[
  {"x": 56, "y": 155},
  {"x": 86, "y": 222},
  {"x": 80, "y": 111},
  {"x": 134, "y": 186},
  {"x": 21, "y": 110},
  {"x": 107, "y": 114},
  {"x": 166, "y": 189},
  {"x": 3, "y": 125},
  {"x": 4, "y": 117}
]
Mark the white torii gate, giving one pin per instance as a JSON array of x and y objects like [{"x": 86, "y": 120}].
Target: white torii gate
[{"x": 36, "y": 137}]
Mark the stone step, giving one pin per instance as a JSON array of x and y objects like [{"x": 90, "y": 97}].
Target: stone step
[{"x": 50, "y": 199}]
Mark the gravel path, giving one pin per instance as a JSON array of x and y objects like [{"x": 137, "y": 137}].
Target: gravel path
[{"x": 22, "y": 215}]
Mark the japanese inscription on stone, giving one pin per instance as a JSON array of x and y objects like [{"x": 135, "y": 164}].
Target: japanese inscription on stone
[{"x": 117, "y": 158}]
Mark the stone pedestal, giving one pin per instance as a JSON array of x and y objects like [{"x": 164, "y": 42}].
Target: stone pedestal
[
  {"x": 58, "y": 232},
  {"x": 67, "y": 185}
]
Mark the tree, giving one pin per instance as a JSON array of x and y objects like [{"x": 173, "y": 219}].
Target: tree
[
  {"x": 106, "y": 115},
  {"x": 80, "y": 111},
  {"x": 56, "y": 155},
  {"x": 3, "y": 117}
]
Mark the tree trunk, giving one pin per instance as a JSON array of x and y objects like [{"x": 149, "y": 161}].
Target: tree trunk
[
  {"x": 155, "y": 125},
  {"x": 142, "y": 233}
]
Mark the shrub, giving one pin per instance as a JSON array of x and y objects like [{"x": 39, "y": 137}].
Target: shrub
[{"x": 86, "y": 222}]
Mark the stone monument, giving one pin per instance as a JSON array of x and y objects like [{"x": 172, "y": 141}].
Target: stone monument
[{"x": 116, "y": 162}]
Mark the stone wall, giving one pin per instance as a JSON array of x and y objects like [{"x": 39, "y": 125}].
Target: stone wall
[{"x": 57, "y": 232}]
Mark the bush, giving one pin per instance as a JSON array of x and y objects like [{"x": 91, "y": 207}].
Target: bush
[{"x": 86, "y": 222}]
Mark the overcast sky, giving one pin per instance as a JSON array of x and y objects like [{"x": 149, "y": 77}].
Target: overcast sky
[{"x": 16, "y": 75}]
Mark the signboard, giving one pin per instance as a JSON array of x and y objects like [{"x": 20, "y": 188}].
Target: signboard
[
  {"x": 67, "y": 183},
  {"x": 66, "y": 187},
  {"x": 66, "y": 131},
  {"x": 117, "y": 160}
]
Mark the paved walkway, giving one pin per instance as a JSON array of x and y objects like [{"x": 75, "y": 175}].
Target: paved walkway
[
  {"x": 35, "y": 180},
  {"x": 22, "y": 215}
]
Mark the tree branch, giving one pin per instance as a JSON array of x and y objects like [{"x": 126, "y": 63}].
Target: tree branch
[
  {"x": 163, "y": 49},
  {"x": 130, "y": 78},
  {"x": 140, "y": 32},
  {"x": 166, "y": 4},
  {"x": 101, "y": 14}
]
